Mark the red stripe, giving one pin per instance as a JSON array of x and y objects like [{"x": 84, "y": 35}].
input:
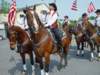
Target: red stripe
[
  {"x": 12, "y": 13},
  {"x": 74, "y": 5},
  {"x": 91, "y": 8}
]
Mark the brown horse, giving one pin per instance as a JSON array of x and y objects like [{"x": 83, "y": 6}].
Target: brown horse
[
  {"x": 80, "y": 39},
  {"x": 16, "y": 36},
  {"x": 43, "y": 42},
  {"x": 92, "y": 34}
]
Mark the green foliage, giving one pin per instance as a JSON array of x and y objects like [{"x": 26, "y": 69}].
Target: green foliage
[
  {"x": 5, "y": 7},
  {"x": 72, "y": 23},
  {"x": 91, "y": 18}
]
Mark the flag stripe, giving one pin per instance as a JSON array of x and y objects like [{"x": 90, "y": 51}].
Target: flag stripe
[
  {"x": 74, "y": 5},
  {"x": 91, "y": 8},
  {"x": 12, "y": 13}
]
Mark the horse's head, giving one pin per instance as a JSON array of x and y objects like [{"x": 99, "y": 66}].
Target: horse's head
[
  {"x": 33, "y": 19},
  {"x": 12, "y": 37}
]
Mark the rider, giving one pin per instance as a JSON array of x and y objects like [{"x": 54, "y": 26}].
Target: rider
[
  {"x": 84, "y": 19},
  {"x": 52, "y": 21},
  {"x": 97, "y": 21},
  {"x": 66, "y": 19},
  {"x": 80, "y": 25}
]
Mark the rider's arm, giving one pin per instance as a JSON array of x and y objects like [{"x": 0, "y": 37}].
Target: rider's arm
[
  {"x": 98, "y": 21},
  {"x": 51, "y": 20}
]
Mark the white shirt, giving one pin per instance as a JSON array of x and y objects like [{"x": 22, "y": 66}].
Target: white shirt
[
  {"x": 97, "y": 21},
  {"x": 51, "y": 18}
]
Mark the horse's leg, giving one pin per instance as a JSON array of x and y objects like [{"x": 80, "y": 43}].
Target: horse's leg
[
  {"x": 47, "y": 62},
  {"x": 78, "y": 48},
  {"x": 82, "y": 48},
  {"x": 40, "y": 61},
  {"x": 92, "y": 50},
  {"x": 23, "y": 61},
  {"x": 65, "y": 56},
  {"x": 98, "y": 51},
  {"x": 61, "y": 59},
  {"x": 32, "y": 60}
]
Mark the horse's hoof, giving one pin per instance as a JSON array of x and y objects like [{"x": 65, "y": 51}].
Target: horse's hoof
[
  {"x": 24, "y": 73},
  {"x": 98, "y": 58},
  {"x": 91, "y": 59},
  {"x": 77, "y": 54},
  {"x": 82, "y": 55},
  {"x": 64, "y": 66},
  {"x": 59, "y": 67},
  {"x": 33, "y": 73}
]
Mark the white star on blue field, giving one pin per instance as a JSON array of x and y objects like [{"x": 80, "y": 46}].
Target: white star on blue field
[{"x": 64, "y": 6}]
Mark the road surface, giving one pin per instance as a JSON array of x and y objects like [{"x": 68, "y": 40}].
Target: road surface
[{"x": 10, "y": 63}]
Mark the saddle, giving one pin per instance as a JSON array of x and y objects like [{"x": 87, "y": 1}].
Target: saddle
[{"x": 57, "y": 35}]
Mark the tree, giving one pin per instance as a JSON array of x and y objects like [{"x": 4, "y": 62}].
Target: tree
[
  {"x": 91, "y": 18},
  {"x": 5, "y": 6},
  {"x": 73, "y": 23}
]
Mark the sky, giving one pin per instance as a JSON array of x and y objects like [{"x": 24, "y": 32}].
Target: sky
[{"x": 64, "y": 6}]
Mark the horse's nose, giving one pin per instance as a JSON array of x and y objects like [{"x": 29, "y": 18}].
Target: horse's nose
[{"x": 12, "y": 48}]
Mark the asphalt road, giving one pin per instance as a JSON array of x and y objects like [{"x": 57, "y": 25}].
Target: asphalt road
[{"x": 10, "y": 63}]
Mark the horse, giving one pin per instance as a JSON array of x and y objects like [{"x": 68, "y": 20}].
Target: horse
[
  {"x": 80, "y": 39},
  {"x": 43, "y": 42},
  {"x": 16, "y": 36},
  {"x": 93, "y": 36}
]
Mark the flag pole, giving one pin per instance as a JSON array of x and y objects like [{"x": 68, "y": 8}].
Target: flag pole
[{"x": 55, "y": 1}]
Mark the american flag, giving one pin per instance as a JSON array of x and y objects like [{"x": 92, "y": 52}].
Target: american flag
[
  {"x": 74, "y": 5},
  {"x": 12, "y": 13},
  {"x": 91, "y": 8}
]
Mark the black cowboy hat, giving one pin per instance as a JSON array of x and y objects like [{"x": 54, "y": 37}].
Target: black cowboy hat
[
  {"x": 66, "y": 17},
  {"x": 53, "y": 5},
  {"x": 97, "y": 11}
]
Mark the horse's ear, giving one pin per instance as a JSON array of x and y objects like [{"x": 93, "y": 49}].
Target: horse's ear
[
  {"x": 34, "y": 8},
  {"x": 24, "y": 11}
]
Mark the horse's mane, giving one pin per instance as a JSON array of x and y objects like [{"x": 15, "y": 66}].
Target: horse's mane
[
  {"x": 38, "y": 19},
  {"x": 17, "y": 29},
  {"x": 29, "y": 18}
]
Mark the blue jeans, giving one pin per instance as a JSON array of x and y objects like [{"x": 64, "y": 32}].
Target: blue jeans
[{"x": 57, "y": 34}]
